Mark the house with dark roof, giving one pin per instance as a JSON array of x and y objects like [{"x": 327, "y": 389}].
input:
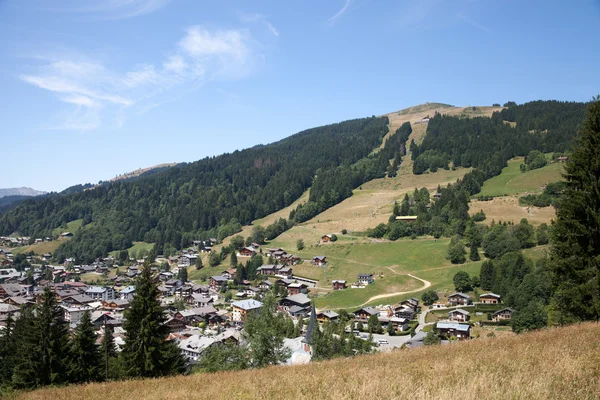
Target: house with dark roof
[
  {"x": 319, "y": 261},
  {"x": 503, "y": 315},
  {"x": 301, "y": 300},
  {"x": 448, "y": 329},
  {"x": 363, "y": 314},
  {"x": 327, "y": 316},
  {"x": 459, "y": 315},
  {"x": 459, "y": 299},
  {"x": 489, "y": 298}
]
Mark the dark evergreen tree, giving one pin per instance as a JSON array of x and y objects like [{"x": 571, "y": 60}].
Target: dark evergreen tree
[
  {"x": 182, "y": 274},
  {"x": 576, "y": 234},
  {"x": 487, "y": 275},
  {"x": 146, "y": 352},
  {"x": 87, "y": 362}
]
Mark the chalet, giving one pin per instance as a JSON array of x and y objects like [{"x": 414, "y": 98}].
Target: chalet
[
  {"x": 251, "y": 291},
  {"x": 174, "y": 324},
  {"x": 173, "y": 285},
  {"x": 228, "y": 273},
  {"x": 11, "y": 290},
  {"x": 241, "y": 309},
  {"x": 404, "y": 312},
  {"x": 438, "y": 305},
  {"x": 562, "y": 159},
  {"x": 267, "y": 269},
  {"x": 398, "y": 323},
  {"x": 192, "y": 347},
  {"x": 285, "y": 272},
  {"x": 165, "y": 276},
  {"x": 265, "y": 285},
  {"x": 8, "y": 309},
  {"x": 338, "y": 285},
  {"x": 255, "y": 246},
  {"x": 406, "y": 218},
  {"x": 411, "y": 303},
  {"x": 7, "y": 274},
  {"x": 66, "y": 235},
  {"x": 78, "y": 300},
  {"x": 502, "y": 315},
  {"x": 100, "y": 293},
  {"x": 116, "y": 304},
  {"x": 246, "y": 252},
  {"x": 459, "y": 299},
  {"x": 284, "y": 282},
  {"x": 437, "y": 195},
  {"x": 448, "y": 329},
  {"x": 128, "y": 293},
  {"x": 326, "y": 239},
  {"x": 273, "y": 250},
  {"x": 459, "y": 315},
  {"x": 298, "y": 312},
  {"x": 319, "y": 261},
  {"x": 327, "y": 316},
  {"x": 300, "y": 300},
  {"x": 278, "y": 255},
  {"x": 289, "y": 259},
  {"x": 297, "y": 288},
  {"x": 489, "y": 298},
  {"x": 365, "y": 313},
  {"x": 199, "y": 300},
  {"x": 365, "y": 279},
  {"x": 20, "y": 301},
  {"x": 217, "y": 282},
  {"x": 74, "y": 314},
  {"x": 199, "y": 314}
]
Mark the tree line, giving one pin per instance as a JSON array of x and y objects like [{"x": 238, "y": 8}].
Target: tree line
[{"x": 208, "y": 198}]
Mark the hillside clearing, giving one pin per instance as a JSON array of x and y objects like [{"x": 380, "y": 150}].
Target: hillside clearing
[
  {"x": 512, "y": 181},
  {"x": 507, "y": 208},
  {"x": 515, "y": 367}
]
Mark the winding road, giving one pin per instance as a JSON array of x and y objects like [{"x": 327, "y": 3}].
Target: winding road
[{"x": 426, "y": 284}]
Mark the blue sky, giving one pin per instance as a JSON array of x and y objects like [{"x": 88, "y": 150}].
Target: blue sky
[{"x": 94, "y": 88}]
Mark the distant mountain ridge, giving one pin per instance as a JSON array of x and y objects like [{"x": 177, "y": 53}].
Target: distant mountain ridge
[{"x": 22, "y": 191}]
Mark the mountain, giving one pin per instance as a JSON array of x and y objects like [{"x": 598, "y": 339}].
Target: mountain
[
  {"x": 558, "y": 363},
  {"x": 215, "y": 196},
  {"x": 22, "y": 191}
]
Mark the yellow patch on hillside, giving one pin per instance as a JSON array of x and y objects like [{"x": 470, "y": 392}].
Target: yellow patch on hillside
[{"x": 507, "y": 208}]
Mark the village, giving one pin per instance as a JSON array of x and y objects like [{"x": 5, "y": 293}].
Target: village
[{"x": 199, "y": 316}]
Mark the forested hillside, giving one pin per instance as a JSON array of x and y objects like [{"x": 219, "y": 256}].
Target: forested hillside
[
  {"x": 211, "y": 197},
  {"x": 487, "y": 143}
]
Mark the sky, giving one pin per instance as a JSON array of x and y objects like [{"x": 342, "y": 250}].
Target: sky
[{"x": 95, "y": 88}]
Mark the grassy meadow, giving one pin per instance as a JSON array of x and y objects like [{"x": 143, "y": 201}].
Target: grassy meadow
[
  {"x": 557, "y": 363},
  {"x": 512, "y": 181}
]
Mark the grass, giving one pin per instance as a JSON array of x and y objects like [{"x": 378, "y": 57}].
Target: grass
[
  {"x": 72, "y": 227},
  {"x": 38, "y": 248},
  {"x": 507, "y": 208},
  {"x": 137, "y": 246},
  {"x": 559, "y": 363},
  {"x": 349, "y": 298},
  {"x": 512, "y": 181}
]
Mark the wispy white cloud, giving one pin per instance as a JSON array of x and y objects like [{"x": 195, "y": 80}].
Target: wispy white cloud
[
  {"x": 113, "y": 9},
  {"x": 260, "y": 18},
  {"x": 332, "y": 19},
  {"x": 476, "y": 24},
  {"x": 96, "y": 92}
]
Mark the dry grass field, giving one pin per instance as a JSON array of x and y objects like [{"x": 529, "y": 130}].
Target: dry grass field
[
  {"x": 560, "y": 363},
  {"x": 507, "y": 208}
]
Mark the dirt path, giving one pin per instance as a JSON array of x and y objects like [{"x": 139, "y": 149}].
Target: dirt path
[{"x": 426, "y": 284}]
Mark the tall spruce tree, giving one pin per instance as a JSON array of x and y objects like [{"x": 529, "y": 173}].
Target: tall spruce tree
[
  {"x": 27, "y": 351},
  {"x": 576, "y": 235},
  {"x": 7, "y": 352},
  {"x": 146, "y": 352},
  {"x": 87, "y": 361}
]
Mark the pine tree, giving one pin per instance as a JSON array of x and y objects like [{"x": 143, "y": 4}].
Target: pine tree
[
  {"x": 199, "y": 264},
  {"x": 7, "y": 351},
  {"x": 87, "y": 362},
  {"x": 487, "y": 275},
  {"x": 27, "y": 351},
  {"x": 182, "y": 275},
  {"x": 233, "y": 259},
  {"x": 474, "y": 254},
  {"x": 108, "y": 353},
  {"x": 576, "y": 243},
  {"x": 146, "y": 352}
]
